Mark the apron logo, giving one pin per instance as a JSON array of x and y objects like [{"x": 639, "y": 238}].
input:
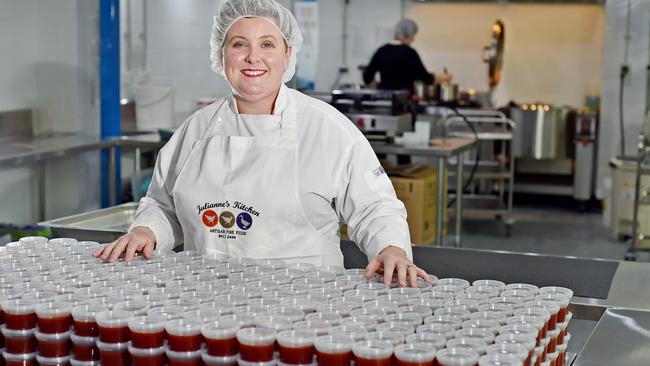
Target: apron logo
[
  {"x": 227, "y": 219},
  {"x": 379, "y": 171},
  {"x": 210, "y": 218},
  {"x": 244, "y": 221}
]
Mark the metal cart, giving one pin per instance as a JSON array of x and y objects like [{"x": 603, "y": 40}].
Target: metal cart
[{"x": 491, "y": 166}]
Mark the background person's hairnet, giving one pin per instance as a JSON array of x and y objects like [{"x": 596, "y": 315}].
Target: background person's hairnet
[
  {"x": 405, "y": 28},
  {"x": 233, "y": 10}
]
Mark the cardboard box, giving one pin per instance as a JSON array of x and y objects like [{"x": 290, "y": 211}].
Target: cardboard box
[{"x": 416, "y": 186}]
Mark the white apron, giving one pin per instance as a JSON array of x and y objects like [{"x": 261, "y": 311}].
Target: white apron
[{"x": 238, "y": 196}]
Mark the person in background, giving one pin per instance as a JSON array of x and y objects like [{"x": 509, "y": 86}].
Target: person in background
[
  {"x": 398, "y": 64},
  {"x": 268, "y": 172}
]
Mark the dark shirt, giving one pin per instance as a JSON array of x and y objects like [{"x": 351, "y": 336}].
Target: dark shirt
[{"x": 398, "y": 65}]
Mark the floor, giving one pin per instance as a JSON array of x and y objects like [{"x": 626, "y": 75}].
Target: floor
[{"x": 555, "y": 228}]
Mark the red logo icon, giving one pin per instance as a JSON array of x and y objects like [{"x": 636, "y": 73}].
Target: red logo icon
[{"x": 210, "y": 218}]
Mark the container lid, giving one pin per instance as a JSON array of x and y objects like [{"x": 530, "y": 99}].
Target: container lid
[
  {"x": 76, "y": 339},
  {"x": 354, "y": 331},
  {"x": 18, "y": 357},
  {"x": 402, "y": 327},
  {"x": 52, "y": 361},
  {"x": 523, "y": 286},
  {"x": 415, "y": 352},
  {"x": 13, "y": 333},
  {"x": 372, "y": 349},
  {"x": 53, "y": 309},
  {"x": 184, "y": 327},
  {"x": 390, "y": 336},
  {"x": 220, "y": 329},
  {"x": 526, "y": 340},
  {"x": 147, "y": 323},
  {"x": 509, "y": 349},
  {"x": 499, "y": 359},
  {"x": 144, "y": 352},
  {"x": 339, "y": 343},
  {"x": 40, "y": 296},
  {"x": 19, "y": 306},
  {"x": 482, "y": 335},
  {"x": 87, "y": 312},
  {"x": 74, "y": 362},
  {"x": 137, "y": 306},
  {"x": 54, "y": 337},
  {"x": 169, "y": 311},
  {"x": 457, "y": 357},
  {"x": 295, "y": 338},
  {"x": 467, "y": 343},
  {"x": 331, "y": 318},
  {"x": 562, "y": 299},
  {"x": 557, "y": 290},
  {"x": 436, "y": 341},
  {"x": 256, "y": 336},
  {"x": 179, "y": 356},
  {"x": 490, "y": 283},
  {"x": 112, "y": 346},
  {"x": 241, "y": 362},
  {"x": 485, "y": 324},
  {"x": 219, "y": 360},
  {"x": 519, "y": 329},
  {"x": 113, "y": 318},
  {"x": 318, "y": 327},
  {"x": 275, "y": 322}
]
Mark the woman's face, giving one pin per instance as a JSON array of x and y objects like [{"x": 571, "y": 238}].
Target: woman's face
[{"x": 255, "y": 57}]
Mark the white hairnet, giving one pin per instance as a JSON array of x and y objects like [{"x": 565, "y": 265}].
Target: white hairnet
[
  {"x": 405, "y": 28},
  {"x": 233, "y": 10}
]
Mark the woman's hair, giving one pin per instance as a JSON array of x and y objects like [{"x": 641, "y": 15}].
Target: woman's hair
[{"x": 405, "y": 28}]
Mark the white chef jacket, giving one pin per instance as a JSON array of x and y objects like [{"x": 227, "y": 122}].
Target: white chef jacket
[{"x": 339, "y": 179}]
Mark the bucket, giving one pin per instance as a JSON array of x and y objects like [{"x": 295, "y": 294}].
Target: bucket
[{"x": 154, "y": 106}]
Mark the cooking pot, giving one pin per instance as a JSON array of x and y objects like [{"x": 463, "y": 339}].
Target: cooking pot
[{"x": 446, "y": 92}]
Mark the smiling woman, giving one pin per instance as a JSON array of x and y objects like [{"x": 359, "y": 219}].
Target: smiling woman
[
  {"x": 293, "y": 166},
  {"x": 255, "y": 58}
]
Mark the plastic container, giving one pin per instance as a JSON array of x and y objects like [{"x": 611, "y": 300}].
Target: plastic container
[
  {"x": 481, "y": 335},
  {"x": 20, "y": 314},
  {"x": 19, "y": 341},
  {"x": 74, "y": 362},
  {"x": 457, "y": 357},
  {"x": 147, "y": 356},
  {"x": 147, "y": 331},
  {"x": 499, "y": 359},
  {"x": 53, "y": 361},
  {"x": 183, "y": 335},
  {"x": 114, "y": 354},
  {"x": 372, "y": 353},
  {"x": 333, "y": 350},
  {"x": 219, "y": 361},
  {"x": 26, "y": 359},
  {"x": 83, "y": 319},
  {"x": 114, "y": 326},
  {"x": 517, "y": 350},
  {"x": 54, "y": 317},
  {"x": 221, "y": 338},
  {"x": 519, "y": 339},
  {"x": 256, "y": 344},
  {"x": 296, "y": 347},
  {"x": 53, "y": 345},
  {"x": 433, "y": 340},
  {"x": 414, "y": 354},
  {"x": 84, "y": 348},
  {"x": 470, "y": 344}
]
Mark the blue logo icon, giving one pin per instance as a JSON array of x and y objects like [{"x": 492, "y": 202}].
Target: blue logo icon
[{"x": 244, "y": 221}]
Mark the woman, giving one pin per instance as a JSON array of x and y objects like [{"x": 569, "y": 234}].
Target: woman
[
  {"x": 398, "y": 64},
  {"x": 268, "y": 172}
]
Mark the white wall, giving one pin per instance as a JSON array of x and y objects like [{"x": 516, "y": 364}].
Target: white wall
[
  {"x": 45, "y": 67},
  {"x": 635, "y": 87}
]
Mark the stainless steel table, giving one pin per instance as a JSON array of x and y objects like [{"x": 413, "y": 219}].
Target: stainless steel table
[
  {"x": 18, "y": 151},
  {"x": 441, "y": 150}
]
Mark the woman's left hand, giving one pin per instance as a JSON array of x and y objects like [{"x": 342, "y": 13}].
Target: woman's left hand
[{"x": 393, "y": 259}]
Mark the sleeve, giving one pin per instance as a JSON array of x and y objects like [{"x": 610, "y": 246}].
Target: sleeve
[
  {"x": 367, "y": 203},
  {"x": 157, "y": 210},
  {"x": 421, "y": 72},
  {"x": 371, "y": 69}
]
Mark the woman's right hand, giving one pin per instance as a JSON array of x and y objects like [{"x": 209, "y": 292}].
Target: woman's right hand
[{"x": 139, "y": 239}]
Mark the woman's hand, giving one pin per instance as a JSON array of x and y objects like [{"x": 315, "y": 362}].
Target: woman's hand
[
  {"x": 392, "y": 259},
  {"x": 139, "y": 239}
]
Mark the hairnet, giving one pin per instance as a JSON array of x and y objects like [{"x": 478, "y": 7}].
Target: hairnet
[
  {"x": 233, "y": 10},
  {"x": 405, "y": 28}
]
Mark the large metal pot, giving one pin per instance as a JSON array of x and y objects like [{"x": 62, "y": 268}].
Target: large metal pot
[
  {"x": 542, "y": 131},
  {"x": 446, "y": 92}
]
